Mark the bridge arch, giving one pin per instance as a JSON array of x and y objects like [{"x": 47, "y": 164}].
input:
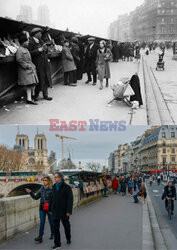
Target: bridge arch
[{"x": 20, "y": 190}]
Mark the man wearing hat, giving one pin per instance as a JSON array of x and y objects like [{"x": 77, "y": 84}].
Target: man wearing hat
[
  {"x": 38, "y": 52},
  {"x": 61, "y": 208},
  {"x": 90, "y": 59},
  {"x": 75, "y": 53}
]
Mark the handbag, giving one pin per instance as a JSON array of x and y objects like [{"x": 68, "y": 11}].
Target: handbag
[{"x": 46, "y": 204}]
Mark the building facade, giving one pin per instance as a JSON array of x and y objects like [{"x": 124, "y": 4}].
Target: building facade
[
  {"x": 37, "y": 158},
  {"x": 43, "y": 15},
  {"x": 26, "y": 14},
  {"x": 154, "y": 150},
  {"x": 153, "y": 20}
]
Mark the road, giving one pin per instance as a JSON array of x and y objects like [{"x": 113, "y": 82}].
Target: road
[
  {"x": 113, "y": 223},
  {"x": 83, "y": 102},
  {"x": 166, "y": 80},
  {"x": 167, "y": 227}
]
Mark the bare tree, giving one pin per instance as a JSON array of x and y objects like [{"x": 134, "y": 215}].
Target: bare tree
[
  {"x": 94, "y": 166},
  {"x": 11, "y": 160}
]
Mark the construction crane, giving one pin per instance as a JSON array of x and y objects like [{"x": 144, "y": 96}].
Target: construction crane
[{"x": 62, "y": 145}]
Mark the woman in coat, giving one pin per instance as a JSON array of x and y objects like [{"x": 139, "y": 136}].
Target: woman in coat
[
  {"x": 27, "y": 75},
  {"x": 123, "y": 186},
  {"x": 68, "y": 65},
  {"x": 115, "y": 185},
  {"x": 45, "y": 196},
  {"x": 104, "y": 55}
]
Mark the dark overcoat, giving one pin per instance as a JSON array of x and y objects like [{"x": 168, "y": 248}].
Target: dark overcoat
[
  {"x": 61, "y": 202},
  {"x": 90, "y": 58},
  {"x": 41, "y": 62},
  {"x": 135, "y": 84}
]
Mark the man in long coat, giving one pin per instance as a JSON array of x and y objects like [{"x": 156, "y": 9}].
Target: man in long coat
[
  {"x": 90, "y": 60},
  {"x": 61, "y": 207},
  {"x": 39, "y": 57}
]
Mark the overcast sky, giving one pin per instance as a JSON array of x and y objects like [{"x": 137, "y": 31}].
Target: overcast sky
[
  {"x": 89, "y": 146},
  {"x": 84, "y": 16}
]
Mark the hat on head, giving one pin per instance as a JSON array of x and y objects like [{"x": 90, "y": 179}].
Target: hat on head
[
  {"x": 91, "y": 39},
  {"x": 22, "y": 38},
  {"x": 74, "y": 40},
  {"x": 35, "y": 31}
]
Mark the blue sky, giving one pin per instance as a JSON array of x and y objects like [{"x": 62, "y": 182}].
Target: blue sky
[{"x": 89, "y": 146}]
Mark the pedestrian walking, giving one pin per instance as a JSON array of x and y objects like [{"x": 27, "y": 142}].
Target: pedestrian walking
[
  {"x": 105, "y": 185},
  {"x": 115, "y": 185},
  {"x": 90, "y": 60},
  {"x": 38, "y": 51},
  {"x": 104, "y": 55},
  {"x": 27, "y": 76},
  {"x": 45, "y": 195},
  {"x": 61, "y": 208},
  {"x": 69, "y": 66},
  {"x": 130, "y": 186},
  {"x": 123, "y": 186}
]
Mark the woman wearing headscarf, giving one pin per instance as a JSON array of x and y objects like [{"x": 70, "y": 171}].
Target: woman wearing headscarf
[
  {"x": 27, "y": 76},
  {"x": 45, "y": 196},
  {"x": 104, "y": 55}
]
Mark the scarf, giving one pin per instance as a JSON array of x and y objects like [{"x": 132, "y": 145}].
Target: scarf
[{"x": 58, "y": 185}]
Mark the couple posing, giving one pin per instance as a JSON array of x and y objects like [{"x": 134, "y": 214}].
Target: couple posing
[{"x": 56, "y": 201}]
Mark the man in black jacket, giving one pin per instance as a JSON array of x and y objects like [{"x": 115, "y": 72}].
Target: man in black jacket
[
  {"x": 169, "y": 193},
  {"x": 61, "y": 207},
  {"x": 90, "y": 60}
]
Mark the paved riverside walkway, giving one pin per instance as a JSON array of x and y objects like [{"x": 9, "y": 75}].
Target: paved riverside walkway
[
  {"x": 110, "y": 223},
  {"x": 79, "y": 103},
  {"x": 167, "y": 81}
]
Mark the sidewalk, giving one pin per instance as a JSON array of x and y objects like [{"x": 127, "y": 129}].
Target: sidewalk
[
  {"x": 167, "y": 79},
  {"x": 110, "y": 223},
  {"x": 79, "y": 103}
]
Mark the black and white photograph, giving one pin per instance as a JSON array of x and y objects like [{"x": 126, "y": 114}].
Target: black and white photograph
[
  {"x": 88, "y": 124},
  {"x": 81, "y": 60}
]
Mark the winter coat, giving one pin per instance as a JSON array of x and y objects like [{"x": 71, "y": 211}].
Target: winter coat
[
  {"x": 61, "y": 202},
  {"x": 123, "y": 186},
  {"x": 90, "y": 59},
  {"x": 131, "y": 184},
  {"x": 45, "y": 194},
  {"x": 102, "y": 63},
  {"x": 115, "y": 183},
  {"x": 26, "y": 69},
  {"x": 166, "y": 192},
  {"x": 67, "y": 60},
  {"x": 41, "y": 62}
]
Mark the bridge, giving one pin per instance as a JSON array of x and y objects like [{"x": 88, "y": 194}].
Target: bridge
[{"x": 15, "y": 185}]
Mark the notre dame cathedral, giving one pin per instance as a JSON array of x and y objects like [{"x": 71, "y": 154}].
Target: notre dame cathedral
[{"x": 36, "y": 159}]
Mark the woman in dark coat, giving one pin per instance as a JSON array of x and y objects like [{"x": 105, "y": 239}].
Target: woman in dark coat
[
  {"x": 135, "y": 84},
  {"x": 45, "y": 195}
]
